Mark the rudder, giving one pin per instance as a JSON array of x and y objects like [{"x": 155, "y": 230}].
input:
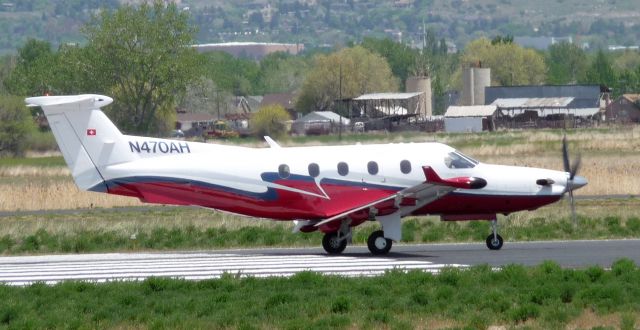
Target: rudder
[{"x": 85, "y": 135}]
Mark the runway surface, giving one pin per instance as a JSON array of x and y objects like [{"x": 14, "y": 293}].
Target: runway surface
[{"x": 356, "y": 261}]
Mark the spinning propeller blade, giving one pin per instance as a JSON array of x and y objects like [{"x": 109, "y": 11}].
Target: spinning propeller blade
[{"x": 572, "y": 182}]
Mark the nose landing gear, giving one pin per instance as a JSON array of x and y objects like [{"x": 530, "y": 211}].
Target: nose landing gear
[
  {"x": 494, "y": 241},
  {"x": 378, "y": 244}
]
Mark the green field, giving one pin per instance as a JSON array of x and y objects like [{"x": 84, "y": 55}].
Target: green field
[{"x": 542, "y": 297}]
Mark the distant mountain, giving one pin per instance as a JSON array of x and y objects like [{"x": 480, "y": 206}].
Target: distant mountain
[{"x": 318, "y": 23}]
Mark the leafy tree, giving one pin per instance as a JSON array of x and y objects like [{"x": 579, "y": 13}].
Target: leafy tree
[
  {"x": 33, "y": 74},
  {"x": 510, "y": 64},
  {"x": 281, "y": 72},
  {"x": 229, "y": 73},
  {"x": 566, "y": 63},
  {"x": 270, "y": 121},
  {"x": 508, "y": 39},
  {"x": 628, "y": 82},
  {"x": 347, "y": 73},
  {"x": 141, "y": 54},
  {"x": 16, "y": 125},
  {"x": 400, "y": 57},
  {"x": 627, "y": 60},
  {"x": 601, "y": 71},
  {"x": 203, "y": 96}
]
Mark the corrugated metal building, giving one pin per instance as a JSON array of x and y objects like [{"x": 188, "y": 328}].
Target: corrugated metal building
[
  {"x": 543, "y": 107},
  {"x": 584, "y": 96},
  {"x": 318, "y": 122},
  {"x": 475, "y": 118}
]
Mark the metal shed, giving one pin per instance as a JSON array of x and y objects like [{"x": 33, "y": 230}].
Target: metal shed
[{"x": 475, "y": 118}]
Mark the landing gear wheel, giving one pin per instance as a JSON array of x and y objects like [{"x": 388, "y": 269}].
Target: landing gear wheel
[
  {"x": 332, "y": 244},
  {"x": 494, "y": 244},
  {"x": 378, "y": 244}
]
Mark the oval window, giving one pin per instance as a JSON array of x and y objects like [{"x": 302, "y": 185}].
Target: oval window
[
  {"x": 283, "y": 171},
  {"x": 343, "y": 168},
  {"x": 314, "y": 170},
  {"x": 405, "y": 166},
  {"x": 372, "y": 167}
]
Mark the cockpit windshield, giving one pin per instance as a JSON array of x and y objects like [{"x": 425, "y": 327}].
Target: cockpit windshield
[{"x": 457, "y": 159}]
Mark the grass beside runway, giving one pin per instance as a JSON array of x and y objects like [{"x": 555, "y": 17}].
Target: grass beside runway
[
  {"x": 542, "y": 297},
  {"x": 169, "y": 228}
]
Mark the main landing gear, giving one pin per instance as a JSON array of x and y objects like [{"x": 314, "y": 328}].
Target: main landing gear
[
  {"x": 333, "y": 243},
  {"x": 378, "y": 244},
  {"x": 494, "y": 241}
]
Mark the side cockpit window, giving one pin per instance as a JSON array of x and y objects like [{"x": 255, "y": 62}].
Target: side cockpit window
[{"x": 458, "y": 160}]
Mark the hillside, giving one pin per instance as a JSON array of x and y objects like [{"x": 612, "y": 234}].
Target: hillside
[{"x": 325, "y": 23}]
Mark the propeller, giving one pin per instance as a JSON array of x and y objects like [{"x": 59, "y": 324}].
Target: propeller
[{"x": 573, "y": 182}]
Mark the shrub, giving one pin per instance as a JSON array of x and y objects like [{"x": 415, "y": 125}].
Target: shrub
[
  {"x": 270, "y": 120},
  {"x": 341, "y": 305},
  {"x": 622, "y": 267},
  {"x": 16, "y": 125}
]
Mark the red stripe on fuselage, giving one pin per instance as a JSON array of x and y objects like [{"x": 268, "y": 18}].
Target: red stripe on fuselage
[{"x": 287, "y": 205}]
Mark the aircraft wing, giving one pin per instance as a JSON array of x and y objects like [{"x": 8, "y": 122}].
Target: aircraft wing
[{"x": 411, "y": 198}]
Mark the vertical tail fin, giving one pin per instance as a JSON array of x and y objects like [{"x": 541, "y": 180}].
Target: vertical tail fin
[{"x": 85, "y": 136}]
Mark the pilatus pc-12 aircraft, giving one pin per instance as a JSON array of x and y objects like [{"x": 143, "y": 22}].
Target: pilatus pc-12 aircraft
[{"x": 328, "y": 188}]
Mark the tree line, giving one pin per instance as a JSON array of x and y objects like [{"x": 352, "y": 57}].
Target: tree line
[{"x": 140, "y": 55}]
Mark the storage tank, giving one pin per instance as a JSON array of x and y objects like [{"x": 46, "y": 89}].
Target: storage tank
[
  {"x": 474, "y": 80},
  {"x": 423, "y": 103}
]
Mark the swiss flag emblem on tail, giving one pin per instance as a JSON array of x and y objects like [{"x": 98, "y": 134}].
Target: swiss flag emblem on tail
[{"x": 91, "y": 131}]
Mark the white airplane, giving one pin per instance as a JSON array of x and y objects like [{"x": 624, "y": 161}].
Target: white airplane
[{"x": 327, "y": 188}]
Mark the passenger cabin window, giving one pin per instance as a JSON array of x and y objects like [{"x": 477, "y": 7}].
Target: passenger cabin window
[
  {"x": 343, "y": 168},
  {"x": 283, "y": 171},
  {"x": 314, "y": 170},
  {"x": 372, "y": 167},
  {"x": 405, "y": 166},
  {"x": 458, "y": 160}
]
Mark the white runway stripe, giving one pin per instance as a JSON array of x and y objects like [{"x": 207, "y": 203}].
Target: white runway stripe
[{"x": 191, "y": 266}]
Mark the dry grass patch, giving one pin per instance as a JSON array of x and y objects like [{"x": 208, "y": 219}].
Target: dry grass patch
[
  {"x": 55, "y": 195},
  {"x": 33, "y": 171}
]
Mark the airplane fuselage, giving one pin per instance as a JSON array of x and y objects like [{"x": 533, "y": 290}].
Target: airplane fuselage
[{"x": 314, "y": 183}]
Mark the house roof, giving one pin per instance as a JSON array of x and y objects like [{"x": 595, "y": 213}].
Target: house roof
[
  {"x": 470, "y": 111},
  {"x": 584, "y": 96},
  {"x": 283, "y": 99},
  {"x": 543, "y": 112},
  {"x": 533, "y": 102},
  {"x": 190, "y": 117},
  {"x": 632, "y": 97},
  {"x": 322, "y": 116},
  {"x": 387, "y": 96}
]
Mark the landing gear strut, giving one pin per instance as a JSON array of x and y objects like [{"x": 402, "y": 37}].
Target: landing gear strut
[
  {"x": 378, "y": 244},
  {"x": 336, "y": 242},
  {"x": 494, "y": 241},
  {"x": 333, "y": 244}
]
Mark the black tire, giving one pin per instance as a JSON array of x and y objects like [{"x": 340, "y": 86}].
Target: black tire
[
  {"x": 332, "y": 245},
  {"x": 378, "y": 244},
  {"x": 494, "y": 244}
]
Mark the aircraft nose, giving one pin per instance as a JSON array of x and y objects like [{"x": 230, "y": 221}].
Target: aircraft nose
[{"x": 577, "y": 182}]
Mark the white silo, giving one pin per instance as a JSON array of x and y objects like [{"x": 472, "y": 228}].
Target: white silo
[
  {"x": 423, "y": 103},
  {"x": 474, "y": 80}
]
